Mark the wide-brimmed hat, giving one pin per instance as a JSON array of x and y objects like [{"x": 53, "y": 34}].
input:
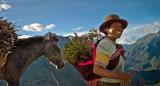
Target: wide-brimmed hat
[{"x": 110, "y": 19}]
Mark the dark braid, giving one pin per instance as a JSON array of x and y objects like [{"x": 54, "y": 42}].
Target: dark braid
[
  {"x": 104, "y": 31},
  {"x": 99, "y": 41}
]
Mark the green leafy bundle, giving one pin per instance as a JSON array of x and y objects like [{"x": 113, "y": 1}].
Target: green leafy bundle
[{"x": 78, "y": 49}]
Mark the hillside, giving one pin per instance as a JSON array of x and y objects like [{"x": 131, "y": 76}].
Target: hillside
[
  {"x": 144, "y": 54},
  {"x": 38, "y": 74},
  {"x": 143, "y": 57}
]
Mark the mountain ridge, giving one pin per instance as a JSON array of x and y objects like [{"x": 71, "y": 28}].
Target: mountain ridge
[{"x": 144, "y": 54}]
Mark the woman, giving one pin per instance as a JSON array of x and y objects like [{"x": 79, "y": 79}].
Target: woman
[{"x": 112, "y": 28}]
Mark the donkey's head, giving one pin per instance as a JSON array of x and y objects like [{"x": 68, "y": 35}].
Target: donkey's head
[{"x": 52, "y": 51}]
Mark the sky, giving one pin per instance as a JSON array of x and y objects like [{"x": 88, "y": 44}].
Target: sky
[{"x": 64, "y": 17}]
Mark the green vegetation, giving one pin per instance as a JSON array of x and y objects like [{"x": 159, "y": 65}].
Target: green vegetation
[{"x": 79, "y": 49}]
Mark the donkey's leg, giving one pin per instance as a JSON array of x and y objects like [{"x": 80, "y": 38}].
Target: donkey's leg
[{"x": 13, "y": 82}]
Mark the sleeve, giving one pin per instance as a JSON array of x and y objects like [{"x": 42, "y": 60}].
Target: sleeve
[{"x": 103, "y": 54}]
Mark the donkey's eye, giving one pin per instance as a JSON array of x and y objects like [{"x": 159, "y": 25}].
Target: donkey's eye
[{"x": 55, "y": 48}]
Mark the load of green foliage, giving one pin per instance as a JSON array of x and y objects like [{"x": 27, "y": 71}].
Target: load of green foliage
[
  {"x": 78, "y": 49},
  {"x": 7, "y": 38}
]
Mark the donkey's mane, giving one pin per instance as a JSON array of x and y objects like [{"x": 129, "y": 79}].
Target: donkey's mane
[{"x": 30, "y": 40}]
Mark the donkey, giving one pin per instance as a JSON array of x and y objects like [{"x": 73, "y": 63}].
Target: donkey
[{"x": 26, "y": 52}]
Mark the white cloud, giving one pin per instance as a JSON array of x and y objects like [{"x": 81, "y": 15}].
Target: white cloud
[
  {"x": 125, "y": 40},
  {"x": 146, "y": 29},
  {"x": 4, "y": 18},
  {"x": 5, "y": 6},
  {"x": 33, "y": 27},
  {"x": 129, "y": 36},
  {"x": 78, "y": 28},
  {"x": 78, "y": 33},
  {"x": 51, "y": 26},
  {"x": 24, "y": 36},
  {"x": 37, "y": 27}
]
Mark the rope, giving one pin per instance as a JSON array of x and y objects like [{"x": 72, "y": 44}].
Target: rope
[
  {"x": 53, "y": 74},
  {"x": 141, "y": 78},
  {"x": 124, "y": 83}
]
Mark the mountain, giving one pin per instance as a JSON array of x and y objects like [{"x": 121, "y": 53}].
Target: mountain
[
  {"x": 126, "y": 46},
  {"x": 144, "y": 54},
  {"x": 61, "y": 41},
  {"x": 158, "y": 32},
  {"x": 38, "y": 74},
  {"x": 143, "y": 57}
]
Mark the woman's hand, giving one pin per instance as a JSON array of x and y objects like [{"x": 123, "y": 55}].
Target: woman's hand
[{"x": 126, "y": 76}]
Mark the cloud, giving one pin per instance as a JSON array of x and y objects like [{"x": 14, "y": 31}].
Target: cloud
[
  {"x": 36, "y": 27},
  {"x": 78, "y": 33},
  {"x": 78, "y": 28},
  {"x": 51, "y": 26},
  {"x": 5, "y": 7},
  {"x": 129, "y": 36},
  {"x": 4, "y": 18},
  {"x": 146, "y": 28},
  {"x": 24, "y": 36},
  {"x": 33, "y": 27},
  {"x": 125, "y": 40}
]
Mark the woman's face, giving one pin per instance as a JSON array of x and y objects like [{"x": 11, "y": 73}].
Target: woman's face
[{"x": 115, "y": 30}]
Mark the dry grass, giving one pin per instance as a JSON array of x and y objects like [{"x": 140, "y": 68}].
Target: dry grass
[{"x": 7, "y": 39}]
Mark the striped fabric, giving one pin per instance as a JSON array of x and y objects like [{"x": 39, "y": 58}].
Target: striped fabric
[{"x": 102, "y": 59}]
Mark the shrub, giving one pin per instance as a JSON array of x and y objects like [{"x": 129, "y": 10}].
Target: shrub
[{"x": 78, "y": 49}]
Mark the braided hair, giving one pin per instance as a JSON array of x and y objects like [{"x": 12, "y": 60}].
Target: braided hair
[{"x": 105, "y": 32}]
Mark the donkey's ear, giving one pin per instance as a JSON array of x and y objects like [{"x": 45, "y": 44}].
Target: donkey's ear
[
  {"x": 55, "y": 38},
  {"x": 50, "y": 36}
]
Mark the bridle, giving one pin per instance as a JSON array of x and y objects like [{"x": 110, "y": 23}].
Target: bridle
[
  {"x": 43, "y": 50},
  {"x": 53, "y": 60}
]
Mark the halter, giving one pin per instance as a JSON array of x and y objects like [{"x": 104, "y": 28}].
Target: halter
[
  {"x": 43, "y": 50},
  {"x": 53, "y": 60}
]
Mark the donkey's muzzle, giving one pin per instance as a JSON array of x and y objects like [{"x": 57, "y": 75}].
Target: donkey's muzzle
[{"x": 61, "y": 66}]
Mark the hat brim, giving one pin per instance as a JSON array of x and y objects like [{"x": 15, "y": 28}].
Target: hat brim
[{"x": 107, "y": 23}]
